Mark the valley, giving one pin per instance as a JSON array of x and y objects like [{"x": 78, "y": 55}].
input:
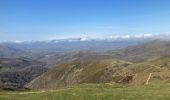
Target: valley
[
  {"x": 84, "y": 50},
  {"x": 114, "y": 73}
]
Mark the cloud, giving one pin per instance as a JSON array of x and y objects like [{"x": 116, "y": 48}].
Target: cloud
[
  {"x": 147, "y": 35},
  {"x": 138, "y": 36},
  {"x": 128, "y": 36},
  {"x": 120, "y": 36},
  {"x": 18, "y": 41},
  {"x": 142, "y": 35}
]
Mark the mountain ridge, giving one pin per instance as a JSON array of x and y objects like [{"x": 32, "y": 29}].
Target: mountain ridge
[{"x": 76, "y": 73}]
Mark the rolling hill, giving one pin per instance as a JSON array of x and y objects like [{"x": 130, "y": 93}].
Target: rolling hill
[
  {"x": 156, "y": 48},
  {"x": 152, "y": 71},
  {"x": 78, "y": 72},
  {"x": 56, "y": 59},
  {"x": 72, "y": 68}
]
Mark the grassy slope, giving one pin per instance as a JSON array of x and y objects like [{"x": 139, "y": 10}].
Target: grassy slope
[
  {"x": 76, "y": 73},
  {"x": 96, "y": 92},
  {"x": 105, "y": 71},
  {"x": 159, "y": 68}
]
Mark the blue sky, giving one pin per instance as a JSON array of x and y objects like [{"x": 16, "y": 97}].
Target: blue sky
[{"x": 50, "y": 19}]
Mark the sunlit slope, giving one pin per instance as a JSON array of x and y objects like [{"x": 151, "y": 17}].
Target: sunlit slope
[
  {"x": 77, "y": 72},
  {"x": 153, "y": 71}
]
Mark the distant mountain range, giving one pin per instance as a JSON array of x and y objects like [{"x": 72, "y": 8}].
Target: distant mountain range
[
  {"x": 145, "y": 36},
  {"x": 156, "y": 48},
  {"x": 10, "y": 49},
  {"x": 55, "y": 64},
  {"x": 7, "y": 51}
]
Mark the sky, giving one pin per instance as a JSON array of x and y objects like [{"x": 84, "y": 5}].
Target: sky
[{"x": 28, "y": 20}]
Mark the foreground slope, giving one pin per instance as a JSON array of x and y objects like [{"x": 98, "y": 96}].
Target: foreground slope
[
  {"x": 95, "y": 92},
  {"x": 78, "y": 72}
]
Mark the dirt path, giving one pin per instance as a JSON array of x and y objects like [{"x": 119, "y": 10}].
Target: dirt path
[
  {"x": 149, "y": 77},
  {"x": 33, "y": 92},
  {"x": 37, "y": 92}
]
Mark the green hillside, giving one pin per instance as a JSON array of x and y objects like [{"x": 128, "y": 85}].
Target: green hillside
[{"x": 95, "y": 92}]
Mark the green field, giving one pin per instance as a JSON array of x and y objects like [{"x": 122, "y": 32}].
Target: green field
[{"x": 95, "y": 92}]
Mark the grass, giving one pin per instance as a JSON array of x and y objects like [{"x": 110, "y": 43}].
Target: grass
[{"x": 95, "y": 92}]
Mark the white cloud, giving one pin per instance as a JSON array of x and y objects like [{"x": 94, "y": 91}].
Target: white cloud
[
  {"x": 18, "y": 41},
  {"x": 120, "y": 36},
  {"x": 142, "y": 35},
  {"x": 138, "y": 36},
  {"x": 147, "y": 35},
  {"x": 102, "y": 36},
  {"x": 126, "y": 36}
]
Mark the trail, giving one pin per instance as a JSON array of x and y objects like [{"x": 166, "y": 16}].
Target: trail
[
  {"x": 33, "y": 92},
  {"x": 147, "y": 81},
  {"x": 43, "y": 91}
]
